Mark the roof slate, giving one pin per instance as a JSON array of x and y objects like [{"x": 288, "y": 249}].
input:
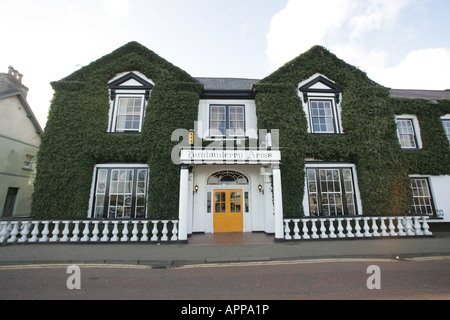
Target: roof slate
[
  {"x": 240, "y": 84},
  {"x": 420, "y": 94},
  {"x": 227, "y": 84}
]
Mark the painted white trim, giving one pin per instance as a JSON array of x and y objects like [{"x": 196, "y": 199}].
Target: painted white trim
[
  {"x": 337, "y": 109},
  {"x": 446, "y": 118},
  {"x": 139, "y": 74},
  {"x": 416, "y": 128},
  {"x": 112, "y": 122}
]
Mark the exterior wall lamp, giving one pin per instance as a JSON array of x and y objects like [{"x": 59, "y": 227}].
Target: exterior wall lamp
[
  {"x": 260, "y": 188},
  {"x": 196, "y": 188}
]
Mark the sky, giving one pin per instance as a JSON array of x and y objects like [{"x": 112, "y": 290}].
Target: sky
[{"x": 401, "y": 44}]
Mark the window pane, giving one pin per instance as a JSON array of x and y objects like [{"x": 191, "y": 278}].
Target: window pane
[
  {"x": 123, "y": 195},
  {"x": 406, "y": 133},
  {"x": 422, "y": 203},
  {"x": 334, "y": 193},
  {"x": 227, "y": 120},
  {"x": 129, "y": 113},
  {"x": 322, "y": 116}
]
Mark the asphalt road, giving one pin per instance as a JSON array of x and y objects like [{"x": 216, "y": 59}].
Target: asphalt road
[{"x": 424, "y": 279}]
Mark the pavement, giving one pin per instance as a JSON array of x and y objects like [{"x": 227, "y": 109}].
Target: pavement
[{"x": 225, "y": 248}]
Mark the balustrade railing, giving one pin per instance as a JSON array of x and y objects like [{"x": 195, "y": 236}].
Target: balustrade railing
[
  {"x": 41, "y": 231},
  {"x": 355, "y": 227}
]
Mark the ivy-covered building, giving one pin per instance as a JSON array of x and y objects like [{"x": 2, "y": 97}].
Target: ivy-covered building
[{"x": 132, "y": 136}]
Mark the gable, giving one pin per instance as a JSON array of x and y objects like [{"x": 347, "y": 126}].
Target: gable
[
  {"x": 131, "y": 56},
  {"x": 319, "y": 83},
  {"x": 131, "y": 81},
  {"x": 319, "y": 60},
  {"x": 17, "y": 119}
]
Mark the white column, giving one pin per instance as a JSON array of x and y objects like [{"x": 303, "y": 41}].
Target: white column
[
  {"x": 268, "y": 204},
  {"x": 183, "y": 203},
  {"x": 278, "y": 203}
]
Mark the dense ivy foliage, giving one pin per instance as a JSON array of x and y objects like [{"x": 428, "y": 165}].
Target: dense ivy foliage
[
  {"x": 369, "y": 142},
  {"x": 75, "y": 139}
]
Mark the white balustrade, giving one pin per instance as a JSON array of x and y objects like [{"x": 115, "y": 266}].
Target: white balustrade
[
  {"x": 174, "y": 231},
  {"x": 37, "y": 231},
  {"x": 350, "y": 227},
  {"x": 323, "y": 233},
  {"x": 24, "y": 232},
  {"x": 164, "y": 231},
  {"x": 55, "y": 232},
  {"x": 426, "y": 227},
  {"x": 65, "y": 232},
  {"x": 86, "y": 231},
  {"x": 305, "y": 234},
  {"x": 400, "y": 226},
  {"x": 392, "y": 227},
  {"x": 145, "y": 231},
  {"x": 105, "y": 233},
  {"x": 332, "y": 229},
  {"x": 340, "y": 228},
  {"x": 33, "y": 231},
  {"x": 366, "y": 227},
  {"x": 383, "y": 227}
]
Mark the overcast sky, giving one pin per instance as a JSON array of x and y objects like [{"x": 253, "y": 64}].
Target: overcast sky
[{"x": 402, "y": 44}]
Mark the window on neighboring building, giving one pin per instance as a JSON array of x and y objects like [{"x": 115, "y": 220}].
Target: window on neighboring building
[
  {"x": 10, "y": 202},
  {"x": 331, "y": 191},
  {"x": 408, "y": 132},
  {"x": 446, "y": 124},
  {"x": 120, "y": 192},
  {"x": 422, "y": 199},
  {"x": 28, "y": 162},
  {"x": 227, "y": 121},
  {"x": 129, "y": 94}
]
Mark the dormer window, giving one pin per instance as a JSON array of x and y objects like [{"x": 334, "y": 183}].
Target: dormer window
[
  {"x": 321, "y": 103},
  {"x": 129, "y": 94}
]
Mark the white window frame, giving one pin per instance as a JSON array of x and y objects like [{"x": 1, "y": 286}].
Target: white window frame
[
  {"x": 446, "y": 119},
  {"x": 134, "y": 166},
  {"x": 203, "y": 123},
  {"x": 430, "y": 190},
  {"x": 115, "y": 111},
  {"x": 335, "y": 113},
  {"x": 328, "y": 165},
  {"x": 415, "y": 127},
  {"x": 227, "y": 120}
]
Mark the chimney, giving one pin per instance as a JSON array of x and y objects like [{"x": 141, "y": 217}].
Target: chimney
[
  {"x": 12, "y": 81},
  {"x": 15, "y": 74}
]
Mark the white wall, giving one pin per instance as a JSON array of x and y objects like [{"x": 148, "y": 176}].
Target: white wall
[
  {"x": 250, "y": 116},
  {"x": 440, "y": 189},
  {"x": 260, "y": 216}
]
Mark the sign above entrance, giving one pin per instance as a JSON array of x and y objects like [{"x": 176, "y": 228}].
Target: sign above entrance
[{"x": 193, "y": 156}]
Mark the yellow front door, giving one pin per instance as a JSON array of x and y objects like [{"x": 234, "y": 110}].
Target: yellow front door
[{"x": 228, "y": 211}]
